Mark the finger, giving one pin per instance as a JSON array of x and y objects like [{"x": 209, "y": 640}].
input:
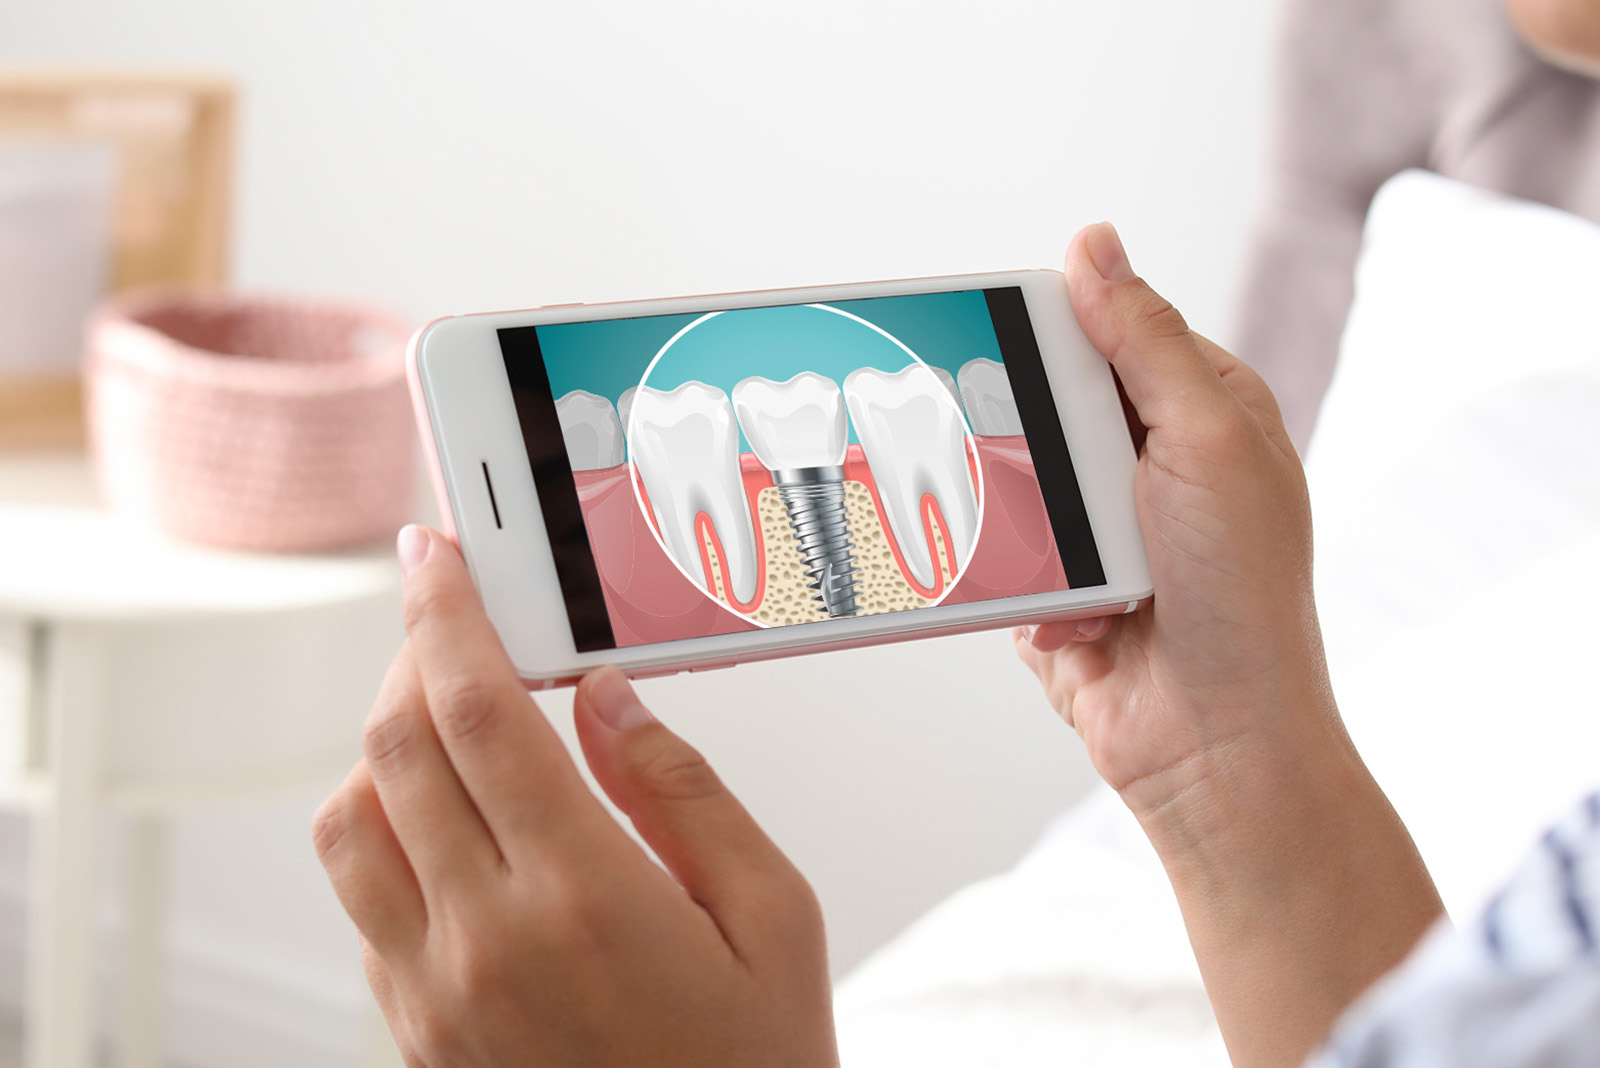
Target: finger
[
  {"x": 699, "y": 830},
  {"x": 1252, "y": 390},
  {"x": 383, "y": 992},
  {"x": 368, "y": 869},
  {"x": 1092, "y": 630},
  {"x": 1048, "y": 637},
  {"x": 1046, "y": 667},
  {"x": 434, "y": 820},
  {"x": 1023, "y": 641},
  {"x": 1156, "y": 357},
  {"x": 508, "y": 756}
]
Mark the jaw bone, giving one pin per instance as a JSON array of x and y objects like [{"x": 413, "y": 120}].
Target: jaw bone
[
  {"x": 915, "y": 443},
  {"x": 686, "y": 447},
  {"x": 991, "y": 406},
  {"x": 591, "y": 430}
]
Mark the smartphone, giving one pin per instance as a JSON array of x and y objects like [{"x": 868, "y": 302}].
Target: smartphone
[{"x": 689, "y": 483}]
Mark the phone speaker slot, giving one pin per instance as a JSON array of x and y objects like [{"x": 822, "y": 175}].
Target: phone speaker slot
[{"x": 487, "y": 481}]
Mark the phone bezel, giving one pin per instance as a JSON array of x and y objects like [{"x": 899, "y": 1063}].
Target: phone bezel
[{"x": 465, "y": 399}]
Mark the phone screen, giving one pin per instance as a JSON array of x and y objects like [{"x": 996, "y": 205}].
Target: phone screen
[{"x": 729, "y": 471}]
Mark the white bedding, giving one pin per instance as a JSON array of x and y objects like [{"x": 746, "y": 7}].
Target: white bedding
[{"x": 1456, "y": 488}]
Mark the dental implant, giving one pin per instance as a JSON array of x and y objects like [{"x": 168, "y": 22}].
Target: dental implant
[{"x": 797, "y": 429}]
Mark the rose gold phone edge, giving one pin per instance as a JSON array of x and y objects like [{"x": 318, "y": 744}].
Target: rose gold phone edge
[{"x": 439, "y": 482}]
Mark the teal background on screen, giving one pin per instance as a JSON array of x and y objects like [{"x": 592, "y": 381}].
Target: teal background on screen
[{"x": 609, "y": 357}]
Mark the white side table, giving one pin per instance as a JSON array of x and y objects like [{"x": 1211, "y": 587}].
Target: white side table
[{"x": 140, "y": 675}]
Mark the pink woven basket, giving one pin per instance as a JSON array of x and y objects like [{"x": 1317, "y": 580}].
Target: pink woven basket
[{"x": 249, "y": 423}]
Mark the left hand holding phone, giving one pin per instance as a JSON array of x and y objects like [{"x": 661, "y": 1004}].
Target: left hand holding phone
[{"x": 507, "y": 919}]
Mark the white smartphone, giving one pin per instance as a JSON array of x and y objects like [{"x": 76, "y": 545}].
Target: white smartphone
[{"x": 689, "y": 483}]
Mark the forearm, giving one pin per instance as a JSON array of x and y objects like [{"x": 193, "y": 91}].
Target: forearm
[{"x": 1299, "y": 884}]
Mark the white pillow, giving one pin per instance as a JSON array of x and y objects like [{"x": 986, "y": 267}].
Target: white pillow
[{"x": 1455, "y": 480}]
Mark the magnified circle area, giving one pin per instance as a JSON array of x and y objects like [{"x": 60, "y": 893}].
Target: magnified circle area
[{"x": 800, "y": 463}]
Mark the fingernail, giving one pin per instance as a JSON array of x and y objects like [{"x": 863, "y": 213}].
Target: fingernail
[
  {"x": 1110, "y": 259},
  {"x": 412, "y": 547},
  {"x": 1091, "y": 629},
  {"x": 1029, "y": 631},
  {"x": 615, "y": 702}
]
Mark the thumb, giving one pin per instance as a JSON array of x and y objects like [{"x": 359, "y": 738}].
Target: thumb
[
  {"x": 705, "y": 837},
  {"x": 1163, "y": 366}
]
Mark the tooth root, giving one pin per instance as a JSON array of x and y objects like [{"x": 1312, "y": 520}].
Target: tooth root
[
  {"x": 915, "y": 444},
  {"x": 991, "y": 406},
  {"x": 687, "y": 450},
  {"x": 591, "y": 431}
]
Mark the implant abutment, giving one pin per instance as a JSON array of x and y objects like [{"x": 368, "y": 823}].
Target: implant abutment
[{"x": 814, "y": 498}]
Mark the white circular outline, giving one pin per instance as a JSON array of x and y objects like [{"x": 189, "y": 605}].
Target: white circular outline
[{"x": 638, "y": 497}]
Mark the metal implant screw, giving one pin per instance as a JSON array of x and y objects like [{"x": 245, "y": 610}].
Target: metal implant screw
[{"x": 814, "y": 497}]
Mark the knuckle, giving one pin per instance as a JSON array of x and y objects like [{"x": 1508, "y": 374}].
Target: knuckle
[
  {"x": 676, "y": 771},
  {"x": 1220, "y": 429},
  {"x": 463, "y": 706},
  {"x": 331, "y": 824},
  {"x": 425, "y": 600},
  {"x": 1154, "y": 316},
  {"x": 388, "y": 736},
  {"x": 803, "y": 906},
  {"x": 788, "y": 894}
]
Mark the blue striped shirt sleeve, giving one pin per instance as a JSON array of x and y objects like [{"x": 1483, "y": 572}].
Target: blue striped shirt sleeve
[{"x": 1518, "y": 988}]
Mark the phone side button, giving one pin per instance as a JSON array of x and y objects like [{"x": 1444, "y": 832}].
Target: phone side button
[
  {"x": 708, "y": 667},
  {"x": 654, "y": 673},
  {"x": 553, "y": 307}
]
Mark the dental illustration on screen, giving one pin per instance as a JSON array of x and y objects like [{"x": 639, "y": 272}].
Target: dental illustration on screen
[{"x": 787, "y": 465}]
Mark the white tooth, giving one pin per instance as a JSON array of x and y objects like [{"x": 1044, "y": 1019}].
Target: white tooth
[
  {"x": 798, "y": 423},
  {"x": 591, "y": 430},
  {"x": 991, "y": 407},
  {"x": 915, "y": 444},
  {"x": 625, "y": 406},
  {"x": 686, "y": 445},
  {"x": 947, "y": 378}
]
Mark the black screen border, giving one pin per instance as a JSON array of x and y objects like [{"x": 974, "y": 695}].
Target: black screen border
[{"x": 1047, "y": 438}]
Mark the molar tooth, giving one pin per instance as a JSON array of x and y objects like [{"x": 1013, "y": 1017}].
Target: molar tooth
[
  {"x": 915, "y": 443},
  {"x": 686, "y": 447},
  {"x": 991, "y": 406},
  {"x": 590, "y": 428}
]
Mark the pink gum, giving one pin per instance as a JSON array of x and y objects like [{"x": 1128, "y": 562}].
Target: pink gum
[{"x": 1016, "y": 553}]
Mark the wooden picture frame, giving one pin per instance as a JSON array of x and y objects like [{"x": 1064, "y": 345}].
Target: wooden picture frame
[{"x": 173, "y": 139}]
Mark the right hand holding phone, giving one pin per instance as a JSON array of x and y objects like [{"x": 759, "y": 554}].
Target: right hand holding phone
[
  {"x": 1211, "y": 712},
  {"x": 1230, "y": 655}
]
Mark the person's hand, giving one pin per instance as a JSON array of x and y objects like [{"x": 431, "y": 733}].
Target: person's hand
[
  {"x": 1210, "y": 710},
  {"x": 1230, "y": 653},
  {"x": 507, "y": 919}
]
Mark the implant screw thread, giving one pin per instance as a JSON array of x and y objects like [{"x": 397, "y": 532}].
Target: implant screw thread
[{"x": 814, "y": 497}]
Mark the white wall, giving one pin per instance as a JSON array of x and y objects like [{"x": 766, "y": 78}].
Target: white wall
[{"x": 477, "y": 155}]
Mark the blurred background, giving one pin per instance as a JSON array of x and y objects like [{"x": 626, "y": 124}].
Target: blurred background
[{"x": 436, "y": 160}]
